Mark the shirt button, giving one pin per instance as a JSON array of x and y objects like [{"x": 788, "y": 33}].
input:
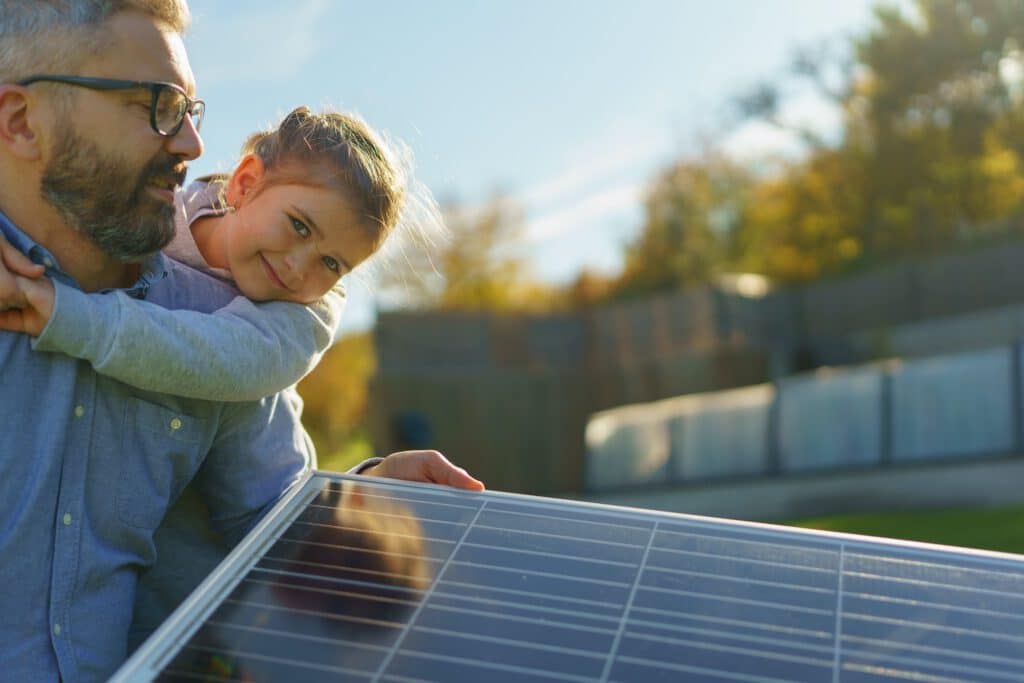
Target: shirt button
[
  {"x": 175, "y": 424},
  {"x": 48, "y": 262},
  {"x": 67, "y": 519},
  {"x": 56, "y": 629},
  {"x": 79, "y": 411}
]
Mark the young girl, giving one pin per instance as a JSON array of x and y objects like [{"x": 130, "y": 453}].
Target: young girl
[{"x": 307, "y": 203}]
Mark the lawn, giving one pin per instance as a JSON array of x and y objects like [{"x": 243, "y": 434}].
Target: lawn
[{"x": 989, "y": 528}]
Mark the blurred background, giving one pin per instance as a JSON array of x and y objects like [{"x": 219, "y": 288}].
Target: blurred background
[{"x": 760, "y": 259}]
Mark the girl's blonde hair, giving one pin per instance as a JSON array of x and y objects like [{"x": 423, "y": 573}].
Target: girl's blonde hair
[{"x": 339, "y": 151}]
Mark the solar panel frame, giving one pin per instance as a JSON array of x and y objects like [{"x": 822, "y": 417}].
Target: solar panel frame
[{"x": 809, "y": 647}]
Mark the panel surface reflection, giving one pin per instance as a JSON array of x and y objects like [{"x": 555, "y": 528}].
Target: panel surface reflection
[{"x": 392, "y": 582}]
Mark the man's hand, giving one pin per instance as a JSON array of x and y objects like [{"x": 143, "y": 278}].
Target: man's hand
[
  {"x": 36, "y": 298},
  {"x": 426, "y": 466}
]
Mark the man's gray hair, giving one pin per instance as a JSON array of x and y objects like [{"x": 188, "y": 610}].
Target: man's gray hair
[{"x": 54, "y": 36}]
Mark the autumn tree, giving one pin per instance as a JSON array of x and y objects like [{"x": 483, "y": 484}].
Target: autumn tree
[{"x": 479, "y": 266}]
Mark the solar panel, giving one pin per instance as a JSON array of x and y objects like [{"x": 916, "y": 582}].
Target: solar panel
[{"x": 362, "y": 579}]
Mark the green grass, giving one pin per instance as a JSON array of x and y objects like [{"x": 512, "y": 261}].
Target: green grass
[{"x": 989, "y": 528}]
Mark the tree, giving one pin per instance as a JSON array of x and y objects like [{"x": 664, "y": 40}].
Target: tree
[
  {"x": 478, "y": 267},
  {"x": 691, "y": 212}
]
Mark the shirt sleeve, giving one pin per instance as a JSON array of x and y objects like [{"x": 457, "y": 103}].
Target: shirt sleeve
[
  {"x": 257, "y": 456},
  {"x": 241, "y": 352}
]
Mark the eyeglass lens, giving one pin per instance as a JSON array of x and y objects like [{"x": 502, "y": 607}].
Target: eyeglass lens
[{"x": 171, "y": 108}]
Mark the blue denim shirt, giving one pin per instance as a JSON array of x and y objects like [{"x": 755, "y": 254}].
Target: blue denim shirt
[{"x": 90, "y": 467}]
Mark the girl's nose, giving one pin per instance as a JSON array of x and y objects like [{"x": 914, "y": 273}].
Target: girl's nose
[{"x": 301, "y": 259}]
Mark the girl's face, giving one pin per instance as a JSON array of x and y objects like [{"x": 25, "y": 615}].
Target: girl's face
[{"x": 292, "y": 242}]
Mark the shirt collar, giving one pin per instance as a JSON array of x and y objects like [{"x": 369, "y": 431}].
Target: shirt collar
[{"x": 154, "y": 268}]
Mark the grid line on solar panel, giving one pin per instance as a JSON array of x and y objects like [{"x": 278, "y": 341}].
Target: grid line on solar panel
[
  {"x": 526, "y": 620},
  {"x": 920, "y": 582},
  {"x": 323, "y": 565},
  {"x": 940, "y": 651},
  {"x": 717, "y": 674},
  {"x": 888, "y": 674},
  {"x": 534, "y": 572},
  {"x": 748, "y": 651},
  {"x": 289, "y": 634},
  {"x": 279, "y": 660},
  {"x": 935, "y": 627},
  {"x": 419, "y": 608},
  {"x": 741, "y": 601},
  {"x": 559, "y": 536},
  {"x": 751, "y": 532},
  {"x": 578, "y": 528},
  {"x": 1014, "y": 577},
  {"x": 537, "y": 553},
  {"x": 746, "y": 561},
  {"x": 511, "y": 641},
  {"x": 579, "y": 511},
  {"x": 426, "y": 536},
  {"x": 614, "y": 649},
  {"x": 399, "y": 590},
  {"x": 337, "y": 593},
  {"x": 1010, "y": 670},
  {"x": 532, "y": 608},
  {"x": 813, "y": 557},
  {"x": 534, "y": 594},
  {"x": 875, "y": 597},
  {"x": 331, "y": 509},
  {"x": 537, "y": 673},
  {"x": 319, "y": 614},
  {"x": 355, "y": 549},
  {"x": 666, "y": 571},
  {"x": 776, "y": 628},
  {"x": 837, "y": 629},
  {"x": 404, "y": 492},
  {"x": 974, "y": 671},
  {"x": 725, "y": 635}
]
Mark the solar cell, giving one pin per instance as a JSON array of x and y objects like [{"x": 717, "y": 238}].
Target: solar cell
[{"x": 359, "y": 579}]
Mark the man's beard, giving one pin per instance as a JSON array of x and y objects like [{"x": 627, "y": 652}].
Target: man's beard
[{"x": 100, "y": 197}]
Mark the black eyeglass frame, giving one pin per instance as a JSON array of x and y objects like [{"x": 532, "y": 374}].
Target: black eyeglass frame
[{"x": 193, "y": 107}]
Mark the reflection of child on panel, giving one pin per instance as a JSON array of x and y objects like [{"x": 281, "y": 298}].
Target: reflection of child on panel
[
  {"x": 344, "y": 578},
  {"x": 306, "y": 204}
]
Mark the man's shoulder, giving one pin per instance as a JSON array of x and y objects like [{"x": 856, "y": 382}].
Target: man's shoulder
[{"x": 185, "y": 287}]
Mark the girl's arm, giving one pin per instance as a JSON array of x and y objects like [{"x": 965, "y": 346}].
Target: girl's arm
[{"x": 241, "y": 352}]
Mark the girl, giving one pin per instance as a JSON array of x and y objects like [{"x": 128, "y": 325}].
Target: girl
[{"x": 307, "y": 203}]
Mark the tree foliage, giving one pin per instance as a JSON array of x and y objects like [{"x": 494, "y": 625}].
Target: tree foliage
[{"x": 928, "y": 157}]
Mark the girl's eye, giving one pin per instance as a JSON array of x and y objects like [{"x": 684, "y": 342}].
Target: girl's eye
[
  {"x": 300, "y": 227},
  {"x": 332, "y": 263}
]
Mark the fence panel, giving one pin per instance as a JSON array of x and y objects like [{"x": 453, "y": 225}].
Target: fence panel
[
  {"x": 953, "y": 405},
  {"x": 831, "y": 419},
  {"x": 722, "y": 434}
]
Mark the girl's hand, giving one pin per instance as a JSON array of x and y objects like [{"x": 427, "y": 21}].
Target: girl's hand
[
  {"x": 425, "y": 466},
  {"x": 36, "y": 299},
  {"x": 12, "y": 265}
]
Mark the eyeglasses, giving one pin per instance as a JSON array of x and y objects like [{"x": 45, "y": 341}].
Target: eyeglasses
[{"x": 167, "y": 108}]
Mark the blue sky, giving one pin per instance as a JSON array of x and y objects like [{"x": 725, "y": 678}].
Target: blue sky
[{"x": 569, "y": 106}]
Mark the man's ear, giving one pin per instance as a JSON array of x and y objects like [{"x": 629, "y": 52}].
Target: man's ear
[
  {"x": 248, "y": 174},
  {"x": 18, "y": 134}
]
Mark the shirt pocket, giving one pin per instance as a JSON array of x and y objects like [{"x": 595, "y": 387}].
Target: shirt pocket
[{"x": 161, "y": 449}]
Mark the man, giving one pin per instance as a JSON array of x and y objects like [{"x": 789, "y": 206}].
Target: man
[{"x": 97, "y": 123}]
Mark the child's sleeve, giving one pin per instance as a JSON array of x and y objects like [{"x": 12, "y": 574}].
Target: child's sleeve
[{"x": 242, "y": 352}]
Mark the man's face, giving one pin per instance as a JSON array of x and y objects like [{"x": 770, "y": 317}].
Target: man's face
[{"x": 108, "y": 173}]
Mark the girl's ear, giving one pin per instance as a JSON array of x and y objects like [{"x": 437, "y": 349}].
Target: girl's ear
[{"x": 246, "y": 177}]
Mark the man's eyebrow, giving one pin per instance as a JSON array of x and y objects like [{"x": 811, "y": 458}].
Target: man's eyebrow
[{"x": 319, "y": 233}]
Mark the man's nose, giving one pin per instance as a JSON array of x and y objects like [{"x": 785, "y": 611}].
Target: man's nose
[{"x": 186, "y": 143}]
